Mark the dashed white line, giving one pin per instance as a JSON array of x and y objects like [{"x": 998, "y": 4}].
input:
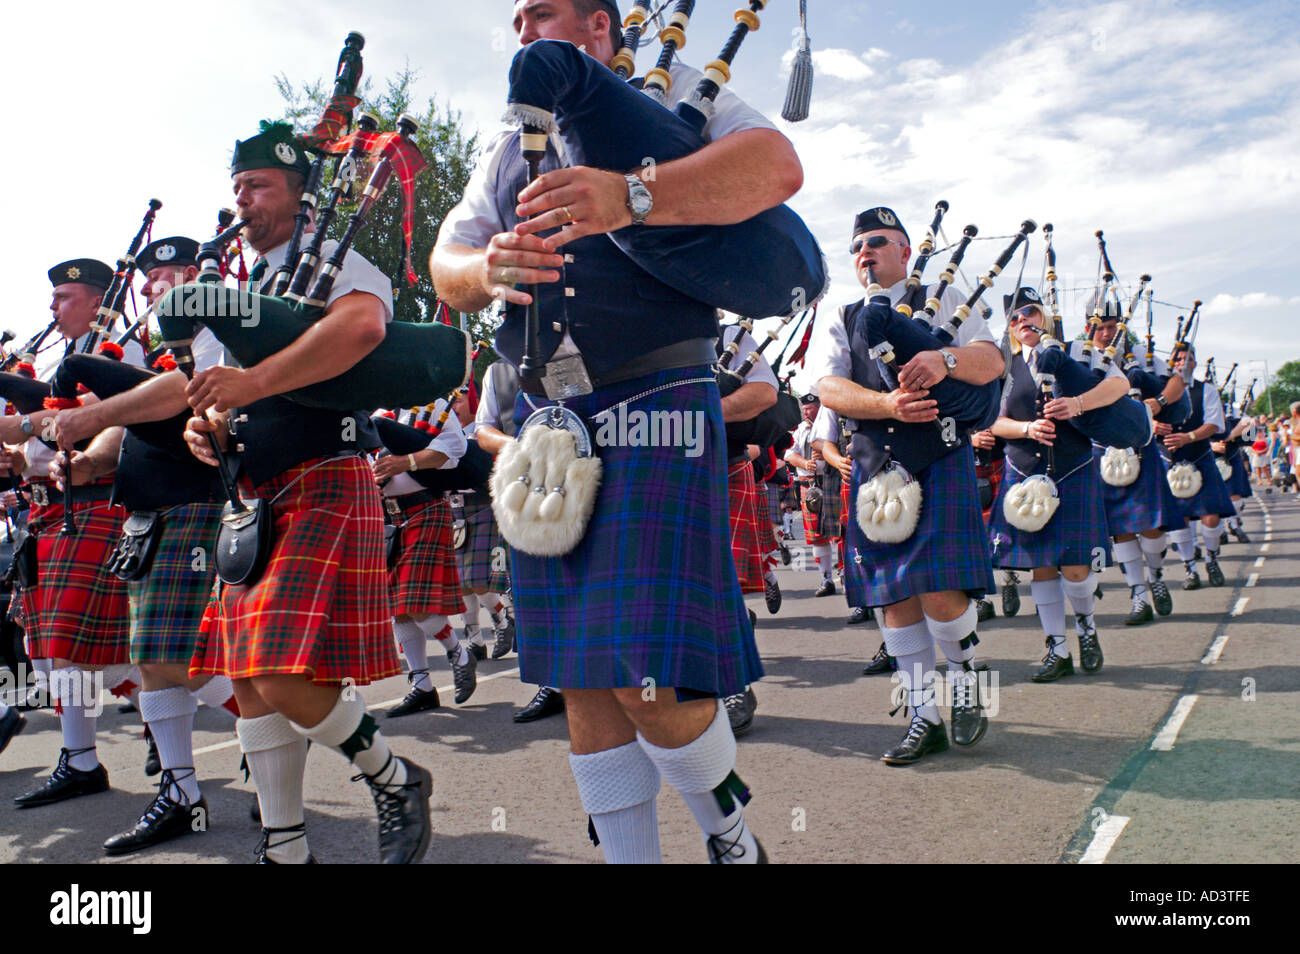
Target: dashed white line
[
  {"x": 1259, "y": 561},
  {"x": 1165, "y": 738},
  {"x": 1215, "y": 651},
  {"x": 1104, "y": 839},
  {"x": 1252, "y": 580},
  {"x": 1265, "y": 548},
  {"x": 1268, "y": 537},
  {"x": 1240, "y": 606}
]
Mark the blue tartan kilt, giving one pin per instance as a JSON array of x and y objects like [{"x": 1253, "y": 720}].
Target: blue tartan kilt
[
  {"x": 1075, "y": 536},
  {"x": 650, "y": 592},
  {"x": 947, "y": 551},
  {"x": 1239, "y": 482},
  {"x": 1213, "y": 498},
  {"x": 773, "y": 504},
  {"x": 1145, "y": 504}
]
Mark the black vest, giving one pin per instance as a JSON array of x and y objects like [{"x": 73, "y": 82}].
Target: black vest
[
  {"x": 915, "y": 446},
  {"x": 1026, "y": 455},
  {"x": 150, "y": 478},
  {"x": 616, "y": 311},
  {"x": 1196, "y": 449},
  {"x": 279, "y": 434},
  {"x": 505, "y": 387}
]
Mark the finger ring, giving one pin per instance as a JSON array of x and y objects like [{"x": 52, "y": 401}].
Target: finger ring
[
  {"x": 568, "y": 216},
  {"x": 502, "y": 278}
]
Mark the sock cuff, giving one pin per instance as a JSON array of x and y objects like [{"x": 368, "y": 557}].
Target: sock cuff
[
  {"x": 266, "y": 732},
  {"x": 614, "y": 779},
  {"x": 73, "y": 686},
  {"x": 1126, "y": 551},
  {"x": 214, "y": 692},
  {"x": 699, "y": 766},
  {"x": 169, "y": 703},
  {"x": 1181, "y": 536},
  {"x": 432, "y": 625},
  {"x": 1079, "y": 589},
  {"x": 119, "y": 673},
  {"x": 906, "y": 640},
  {"x": 342, "y": 721},
  {"x": 954, "y": 630},
  {"x": 1047, "y": 591},
  {"x": 1153, "y": 544}
]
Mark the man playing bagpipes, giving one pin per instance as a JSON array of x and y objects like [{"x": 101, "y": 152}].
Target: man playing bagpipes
[
  {"x": 1230, "y": 448},
  {"x": 819, "y": 533},
  {"x": 925, "y": 577},
  {"x": 317, "y": 617},
  {"x": 423, "y": 577},
  {"x": 172, "y": 514},
  {"x": 1141, "y": 511},
  {"x": 75, "y": 610},
  {"x": 1193, "y": 476},
  {"x": 641, "y": 623}
]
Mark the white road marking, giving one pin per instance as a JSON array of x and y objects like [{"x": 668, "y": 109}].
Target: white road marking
[
  {"x": 1252, "y": 580},
  {"x": 1104, "y": 839},
  {"x": 1240, "y": 607},
  {"x": 1215, "y": 651},
  {"x": 1259, "y": 561},
  {"x": 372, "y": 705},
  {"x": 1265, "y": 548},
  {"x": 1165, "y": 738},
  {"x": 1268, "y": 537}
]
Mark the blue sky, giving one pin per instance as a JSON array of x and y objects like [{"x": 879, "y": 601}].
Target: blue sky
[{"x": 1172, "y": 126}]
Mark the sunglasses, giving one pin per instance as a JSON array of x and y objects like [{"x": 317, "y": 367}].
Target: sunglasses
[
  {"x": 1024, "y": 314},
  {"x": 875, "y": 241}
]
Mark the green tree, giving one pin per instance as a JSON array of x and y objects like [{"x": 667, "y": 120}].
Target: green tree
[
  {"x": 1283, "y": 390},
  {"x": 451, "y": 153}
]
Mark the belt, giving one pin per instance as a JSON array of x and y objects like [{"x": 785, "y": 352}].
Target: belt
[
  {"x": 682, "y": 354},
  {"x": 43, "y": 494},
  {"x": 398, "y": 506}
]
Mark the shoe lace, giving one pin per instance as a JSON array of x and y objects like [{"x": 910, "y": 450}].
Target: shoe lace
[
  {"x": 734, "y": 702},
  {"x": 881, "y": 654},
  {"x": 415, "y": 674},
  {"x": 723, "y": 851},
  {"x": 167, "y": 782},
  {"x": 389, "y": 800},
  {"x": 1012, "y": 578},
  {"x": 965, "y": 689},
  {"x": 1138, "y": 601},
  {"x": 65, "y": 756},
  {"x": 1052, "y": 655},
  {"x": 294, "y": 831}
]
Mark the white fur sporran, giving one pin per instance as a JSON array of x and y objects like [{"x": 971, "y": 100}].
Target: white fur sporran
[
  {"x": 1032, "y": 502},
  {"x": 1225, "y": 469},
  {"x": 544, "y": 483},
  {"x": 889, "y": 505},
  {"x": 1120, "y": 466},
  {"x": 1185, "y": 480}
]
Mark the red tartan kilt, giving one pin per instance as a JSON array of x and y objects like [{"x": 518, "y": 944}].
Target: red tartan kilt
[
  {"x": 426, "y": 580},
  {"x": 81, "y": 612},
  {"x": 747, "y": 529},
  {"x": 811, "y": 527},
  {"x": 321, "y": 607}
]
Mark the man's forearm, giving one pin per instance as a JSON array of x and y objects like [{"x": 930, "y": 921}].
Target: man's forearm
[
  {"x": 455, "y": 270},
  {"x": 748, "y": 401},
  {"x": 978, "y": 363},
  {"x": 849, "y": 399},
  {"x": 491, "y": 439},
  {"x": 156, "y": 399},
  {"x": 104, "y": 451},
  {"x": 1173, "y": 388},
  {"x": 351, "y": 328}
]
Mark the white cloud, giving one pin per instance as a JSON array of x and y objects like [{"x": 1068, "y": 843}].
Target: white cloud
[{"x": 1224, "y": 304}]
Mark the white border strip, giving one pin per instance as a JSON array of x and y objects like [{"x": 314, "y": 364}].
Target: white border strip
[
  {"x": 1240, "y": 606},
  {"x": 1103, "y": 840},
  {"x": 1164, "y": 740},
  {"x": 1215, "y": 651}
]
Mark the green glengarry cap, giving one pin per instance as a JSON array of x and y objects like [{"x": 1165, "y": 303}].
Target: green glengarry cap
[{"x": 274, "y": 147}]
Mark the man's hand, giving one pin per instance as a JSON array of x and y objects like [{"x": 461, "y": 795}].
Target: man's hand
[
  {"x": 1219, "y": 447},
  {"x": 1163, "y": 429},
  {"x": 83, "y": 471},
  {"x": 839, "y": 461},
  {"x": 924, "y": 371},
  {"x": 75, "y": 424},
  {"x": 12, "y": 460},
  {"x": 983, "y": 440},
  {"x": 911, "y": 407},
  {"x": 1063, "y": 408},
  {"x": 584, "y": 201},
  {"x": 222, "y": 388},
  {"x": 1153, "y": 406},
  {"x": 390, "y": 466},
  {"x": 1043, "y": 431},
  {"x": 197, "y": 430},
  {"x": 1175, "y": 441},
  {"x": 511, "y": 260}
]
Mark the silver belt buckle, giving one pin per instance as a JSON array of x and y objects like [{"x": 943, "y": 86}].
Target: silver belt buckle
[
  {"x": 392, "y": 507},
  {"x": 40, "y": 496},
  {"x": 566, "y": 378}
]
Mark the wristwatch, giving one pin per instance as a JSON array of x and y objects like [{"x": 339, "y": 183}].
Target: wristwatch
[
  {"x": 639, "y": 199},
  {"x": 949, "y": 358},
  {"x": 25, "y": 424},
  {"x": 1160, "y": 399}
]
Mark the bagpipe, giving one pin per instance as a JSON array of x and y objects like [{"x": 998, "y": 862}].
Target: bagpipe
[
  {"x": 606, "y": 123},
  {"x": 765, "y": 429},
  {"x": 1125, "y": 423},
  {"x": 471, "y": 472},
  {"x": 1151, "y": 385},
  {"x": 413, "y": 360}
]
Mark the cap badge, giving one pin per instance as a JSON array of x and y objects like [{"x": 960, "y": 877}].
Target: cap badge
[
  {"x": 74, "y": 273},
  {"x": 885, "y": 217},
  {"x": 1031, "y": 294},
  {"x": 285, "y": 153},
  {"x": 165, "y": 253}
]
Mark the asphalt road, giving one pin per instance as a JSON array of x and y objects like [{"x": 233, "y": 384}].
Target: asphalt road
[{"x": 1063, "y": 767}]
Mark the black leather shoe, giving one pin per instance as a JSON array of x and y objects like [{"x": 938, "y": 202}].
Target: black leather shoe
[
  {"x": 785, "y": 554},
  {"x": 405, "y": 827},
  {"x": 1215, "y": 574},
  {"x": 740, "y": 710},
  {"x": 504, "y": 643},
  {"x": 1054, "y": 666},
  {"x": 826, "y": 589},
  {"x": 922, "y": 739},
  {"x": 463, "y": 676},
  {"x": 152, "y": 764},
  {"x": 478, "y": 650},
  {"x": 1090, "y": 655},
  {"x": 294, "y": 832},
  {"x": 1164, "y": 603},
  {"x": 548, "y": 701},
  {"x": 417, "y": 700},
  {"x": 772, "y": 595},
  {"x": 969, "y": 723},
  {"x": 65, "y": 782},
  {"x": 1190, "y": 580},
  {"x": 983, "y": 610},
  {"x": 1240, "y": 534},
  {"x": 12, "y": 723},
  {"x": 163, "y": 820},
  {"x": 880, "y": 663},
  {"x": 1010, "y": 596},
  {"x": 860, "y": 614},
  {"x": 1141, "y": 613}
]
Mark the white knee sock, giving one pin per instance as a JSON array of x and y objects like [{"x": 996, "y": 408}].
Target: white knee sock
[
  {"x": 1129, "y": 556},
  {"x": 74, "y": 690},
  {"x": 218, "y": 693},
  {"x": 956, "y": 638},
  {"x": 698, "y": 770},
  {"x": 169, "y": 714},
  {"x": 415, "y": 647},
  {"x": 618, "y": 788},
  {"x": 913, "y": 647},
  {"x": 445, "y": 635},
  {"x": 350, "y": 729},
  {"x": 1081, "y": 595},
  {"x": 1212, "y": 542},
  {"x": 471, "y": 610},
  {"x": 1182, "y": 541},
  {"x": 822, "y": 554},
  {"x": 1049, "y": 601},
  {"x": 123, "y": 681},
  {"x": 277, "y": 758},
  {"x": 1153, "y": 551}
]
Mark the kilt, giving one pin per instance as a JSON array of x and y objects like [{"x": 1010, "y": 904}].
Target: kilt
[
  {"x": 947, "y": 551},
  {"x": 425, "y": 580},
  {"x": 748, "y": 534},
  {"x": 81, "y": 609},
  {"x": 484, "y": 560},
  {"x": 651, "y": 591},
  {"x": 855, "y": 578},
  {"x": 1145, "y": 504},
  {"x": 1075, "y": 536},
  {"x": 1213, "y": 498},
  {"x": 167, "y": 604},
  {"x": 773, "y": 495},
  {"x": 321, "y": 606},
  {"x": 1239, "y": 482},
  {"x": 812, "y": 539},
  {"x": 993, "y": 474}
]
